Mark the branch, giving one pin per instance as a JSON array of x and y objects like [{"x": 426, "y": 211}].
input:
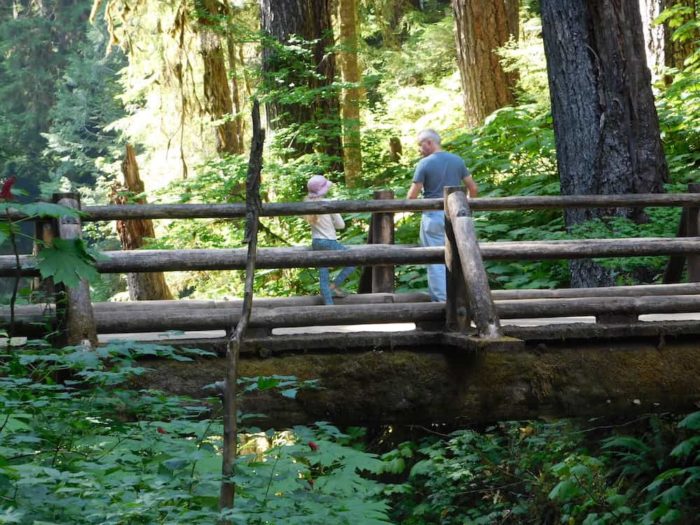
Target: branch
[
  {"x": 253, "y": 207},
  {"x": 18, "y": 274}
]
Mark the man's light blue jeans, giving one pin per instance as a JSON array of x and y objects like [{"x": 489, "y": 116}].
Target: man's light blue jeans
[
  {"x": 324, "y": 273},
  {"x": 432, "y": 233}
]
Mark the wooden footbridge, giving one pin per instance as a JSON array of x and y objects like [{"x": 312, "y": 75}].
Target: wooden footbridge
[{"x": 481, "y": 356}]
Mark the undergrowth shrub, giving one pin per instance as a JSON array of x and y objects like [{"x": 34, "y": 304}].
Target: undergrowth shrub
[{"x": 77, "y": 445}]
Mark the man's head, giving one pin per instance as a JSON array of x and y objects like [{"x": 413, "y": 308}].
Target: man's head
[{"x": 428, "y": 142}]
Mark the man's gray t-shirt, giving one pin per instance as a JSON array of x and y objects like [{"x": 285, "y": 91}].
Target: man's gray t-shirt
[{"x": 438, "y": 170}]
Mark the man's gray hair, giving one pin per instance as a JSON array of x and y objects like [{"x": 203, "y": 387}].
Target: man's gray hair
[{"x": 429, "y": 134}]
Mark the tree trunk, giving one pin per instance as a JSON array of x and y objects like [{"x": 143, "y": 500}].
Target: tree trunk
[
  {"x": 677, "y": 51},
  {"x": 605, "y": 121},
  {"x": 309, "y": 20},
  {"x": 653, "y": 34},
  {"x": 217, "y": 93},
  {"x": 481, "y": 27},
  {"x": 350, "y": 99},
  {"x": 236, "y": 77},
  {"x": 662, "y": 51},
  {"x": 142, "y": 286}
]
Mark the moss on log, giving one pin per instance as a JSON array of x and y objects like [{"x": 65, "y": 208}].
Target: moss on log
[{"x": 440, "y": 385}]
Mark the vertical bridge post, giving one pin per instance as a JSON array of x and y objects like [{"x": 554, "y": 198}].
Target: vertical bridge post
[
  {"x": 383, "y": 233},
  {"x": 379, "y": 279},
  {"x": 78, "y": 323},
  {"x": 688, "y": 226},
  {"x": 693, "y": 230},
  {"x": 466, "y": 250}
]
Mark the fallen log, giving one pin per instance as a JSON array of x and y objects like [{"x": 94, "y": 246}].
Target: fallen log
[{"x": 440, "y": 385}]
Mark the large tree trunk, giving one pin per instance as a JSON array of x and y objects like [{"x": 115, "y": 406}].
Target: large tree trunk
[
  {"x": 662, "y": 51},
  {"x": 142, "y": 286},
  {"x": 309, "y": 20},
  {"x": 350, "y": 101},
  {"x": 217, "y": 93},
  {"x": 481, "y": 27},
  {"x": 605, "y": 121}
]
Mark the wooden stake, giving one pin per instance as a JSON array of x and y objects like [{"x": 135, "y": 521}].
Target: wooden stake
[{"x": 253, "y": 206}]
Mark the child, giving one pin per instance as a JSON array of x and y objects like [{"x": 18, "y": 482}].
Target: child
[{"x": 323, "y": 237}]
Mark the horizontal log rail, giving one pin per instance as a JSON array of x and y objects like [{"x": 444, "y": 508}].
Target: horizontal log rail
[
  {"x": 616, "y": 301},
  {"x": 303, "y": 257},
  {"x": 277, "y": 209},
  {"x": 38, "y": 312},
  {"x": 119, "y": 318}
]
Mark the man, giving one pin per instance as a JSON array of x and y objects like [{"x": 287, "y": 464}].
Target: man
[{"x": 436, "y": 170}]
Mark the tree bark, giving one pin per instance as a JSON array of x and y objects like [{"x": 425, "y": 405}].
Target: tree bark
[
  {"x": 351, "y": 94},
  {"x": 309, "y": 20},
  {"x": 662, "y": 51},
  {"x": 217, "y": 92},
  {"x": 236, "y": 89},
  {"x": 605, "y": 121},
  {"x": 142, "y": 286},
  {"x": 481, "y": 27}
]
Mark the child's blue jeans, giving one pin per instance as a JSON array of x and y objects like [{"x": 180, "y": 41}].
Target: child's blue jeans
[{"x": 324, "y": 273}]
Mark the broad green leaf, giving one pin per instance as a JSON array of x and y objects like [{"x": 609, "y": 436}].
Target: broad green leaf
[
  {"x": 564, "y": 491},
  {"x": 67, "y": 262},
  {"x": 6, "y": 228},
  {"x": 691, "y": 421},
  {"x": 47, "y": 209},
  {"x": 686, "y": 447}
]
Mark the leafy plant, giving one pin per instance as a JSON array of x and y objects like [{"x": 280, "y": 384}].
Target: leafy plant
[{"x": 78, "y": 445}]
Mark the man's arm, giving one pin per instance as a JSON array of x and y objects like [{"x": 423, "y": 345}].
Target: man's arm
[
  {"x": 471, "y": 186},
  {"x": 414, "y": 190}
]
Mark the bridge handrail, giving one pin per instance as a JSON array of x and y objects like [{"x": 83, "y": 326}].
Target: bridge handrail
[
  {"x": 278, "y": 209},
  {"x": 375, "y": 255},
  {"x": 366, "y": 255}
]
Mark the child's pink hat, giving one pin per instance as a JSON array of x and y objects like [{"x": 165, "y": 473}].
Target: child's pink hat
[{"x": 318, "y": 185}]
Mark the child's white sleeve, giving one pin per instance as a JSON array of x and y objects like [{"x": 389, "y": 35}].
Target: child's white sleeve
[{"x": 338, "y": 222}]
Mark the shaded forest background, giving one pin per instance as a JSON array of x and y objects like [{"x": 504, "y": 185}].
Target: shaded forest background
[
  {"x": 346, "y": 87},
  {"x": 94, "y": 92}
]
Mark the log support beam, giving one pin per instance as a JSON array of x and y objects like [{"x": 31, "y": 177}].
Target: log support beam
[{"x": 436, "y": 384}]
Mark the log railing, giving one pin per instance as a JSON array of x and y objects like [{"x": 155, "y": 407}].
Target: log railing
[{"x": 469, "y": 297}]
